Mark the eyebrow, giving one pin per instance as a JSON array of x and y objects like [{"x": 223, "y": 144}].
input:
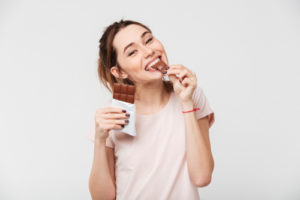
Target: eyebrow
[{"x": 130, "y": 44}]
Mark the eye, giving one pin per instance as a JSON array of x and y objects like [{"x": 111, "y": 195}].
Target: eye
[
  {"x": 149, "y": 40},
  {"x": 131, "y": 53}
]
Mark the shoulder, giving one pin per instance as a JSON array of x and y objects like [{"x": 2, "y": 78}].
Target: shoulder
[{"x": 198, "y": 93}]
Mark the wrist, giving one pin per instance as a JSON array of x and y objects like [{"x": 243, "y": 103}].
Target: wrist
[
  {"x": 100, "y": 142},
  {"x": 188, "y": 105}
]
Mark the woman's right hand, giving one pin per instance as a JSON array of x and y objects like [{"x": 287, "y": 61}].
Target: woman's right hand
[{"x": 108, "y": 118}]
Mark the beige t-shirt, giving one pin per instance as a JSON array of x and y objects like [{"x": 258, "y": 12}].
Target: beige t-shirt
[{"x": 152, "y": 164}]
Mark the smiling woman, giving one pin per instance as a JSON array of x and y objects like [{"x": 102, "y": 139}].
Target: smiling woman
[
  {"x": 108, "y": 53},
  {"x": 170, "y": 156}
]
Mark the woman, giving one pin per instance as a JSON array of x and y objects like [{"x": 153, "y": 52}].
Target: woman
[{"x": 170, "y": 156}]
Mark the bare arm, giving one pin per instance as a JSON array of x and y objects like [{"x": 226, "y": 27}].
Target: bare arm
[
  {"x": 199, "y": 156},
  {"x": 102, "y": 177}
]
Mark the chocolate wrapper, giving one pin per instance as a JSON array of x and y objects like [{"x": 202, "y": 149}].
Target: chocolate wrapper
[{"x": 130, "y": 108}]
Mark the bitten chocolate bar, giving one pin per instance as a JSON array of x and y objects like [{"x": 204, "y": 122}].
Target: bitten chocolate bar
[
  {"x": 160, "y": 65},
  {"x": 124, "y": 92}
]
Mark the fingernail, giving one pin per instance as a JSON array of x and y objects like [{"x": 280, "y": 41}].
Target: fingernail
[
  {"x": 126, "y": 121},
  {"x": 168, "y": 67},
  {"x": 124, "y": 111},
  {"x": 127, "y": 114}
]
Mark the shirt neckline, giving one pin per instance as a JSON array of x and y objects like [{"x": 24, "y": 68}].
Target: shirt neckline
[{"x": 159, "y": 112}]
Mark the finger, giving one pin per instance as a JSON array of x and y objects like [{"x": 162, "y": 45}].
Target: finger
[
  {"x": 183, "y": 74},
  {"x": 173, "y": 78},
  {"x": 117, "y": 121},
  {"x": 115, "y": 115},
  {"x": 173, "y": 71},
  {"x": 178, "y": 70},
  {"x": 112, "y": 126},
  {"x": 110, "y": 109},
  {"x": 186, "y": 82},
  {"x": 176, "y": 66}
]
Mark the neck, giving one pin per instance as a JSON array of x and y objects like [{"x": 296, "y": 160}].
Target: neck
[{"x": 150, "y": 97}]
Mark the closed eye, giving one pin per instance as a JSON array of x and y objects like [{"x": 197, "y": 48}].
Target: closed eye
[
  {"x": 149, "y": 40},
  {"x": 131, "y": 53}
]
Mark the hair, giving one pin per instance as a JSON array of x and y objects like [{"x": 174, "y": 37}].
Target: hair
[{"x": 108, "y": 56}]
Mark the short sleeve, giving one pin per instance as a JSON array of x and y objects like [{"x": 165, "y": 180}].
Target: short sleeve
[
  {"x": 200, "y": 101},
  {"x": 91, "y": 136}
]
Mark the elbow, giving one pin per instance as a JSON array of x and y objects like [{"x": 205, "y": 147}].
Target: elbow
[
  {"x": 202, "y": 181},
  {"x": 100, "y": 194},
  {"x": 102, "y": 198}
]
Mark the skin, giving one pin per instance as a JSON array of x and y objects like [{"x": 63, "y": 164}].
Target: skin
[
  {"x": 149, "y": 87},
  {"x": 151, "y": 95}
]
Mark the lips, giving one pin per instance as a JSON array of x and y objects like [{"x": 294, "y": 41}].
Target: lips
[{"x": 151, "y": 61}]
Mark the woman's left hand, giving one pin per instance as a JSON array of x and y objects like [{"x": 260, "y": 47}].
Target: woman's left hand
[{"x": 184, "y": 82}]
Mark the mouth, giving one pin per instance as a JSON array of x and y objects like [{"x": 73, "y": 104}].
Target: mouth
[{"x": 148, "y": 67}]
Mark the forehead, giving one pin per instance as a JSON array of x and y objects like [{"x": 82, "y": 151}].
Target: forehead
[{"x": 130, "y": 33}]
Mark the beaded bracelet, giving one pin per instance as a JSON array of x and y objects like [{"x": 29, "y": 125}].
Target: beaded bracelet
[{"x": 191, "y": 110}]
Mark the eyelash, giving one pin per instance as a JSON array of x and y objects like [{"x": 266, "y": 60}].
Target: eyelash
[
  {"x": 146, "y": 43},
  {"x": 131, "y": 53},
  {"x": 149, "y": 40}
]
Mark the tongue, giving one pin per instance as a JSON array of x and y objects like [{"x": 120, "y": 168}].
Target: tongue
[{"x": 152, "y": 69}]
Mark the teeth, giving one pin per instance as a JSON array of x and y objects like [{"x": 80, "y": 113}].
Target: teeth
[{"x": 153, "y": 63}]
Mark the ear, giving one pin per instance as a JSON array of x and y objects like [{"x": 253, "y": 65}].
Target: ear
[{"x": 118, "y": 73}]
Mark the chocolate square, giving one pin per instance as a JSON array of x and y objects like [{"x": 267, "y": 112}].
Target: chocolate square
[
  {"x": 160, "y": 65},
  {"x": 124, "y": 92}
]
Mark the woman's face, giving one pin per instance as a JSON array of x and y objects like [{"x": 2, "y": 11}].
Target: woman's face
[{"x": 136, "y": 47}]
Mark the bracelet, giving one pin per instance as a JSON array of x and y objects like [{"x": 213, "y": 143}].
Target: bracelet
[{"x": 191, "y": 110}]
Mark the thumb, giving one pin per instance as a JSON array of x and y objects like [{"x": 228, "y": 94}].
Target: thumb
[
  {"x": 174, "y": 79},
  {"x": 176, "y": 82}
]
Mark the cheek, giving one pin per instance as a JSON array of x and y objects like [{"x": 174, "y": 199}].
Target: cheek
[
  {"x": 133, "y": 65},
  {"x": 136, "y": 64},
  {"x": 128, "y": 63},
  {"x": 159, "y": 45}
]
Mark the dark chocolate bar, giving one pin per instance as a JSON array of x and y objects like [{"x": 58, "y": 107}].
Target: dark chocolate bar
[{"x": 124, "y": 92}]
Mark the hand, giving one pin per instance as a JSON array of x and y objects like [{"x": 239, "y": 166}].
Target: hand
[
  {"x": 108, "y": 118},
  {"x": 184, "y": 83}
]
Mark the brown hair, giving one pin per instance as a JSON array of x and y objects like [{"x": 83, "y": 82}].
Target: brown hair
[{"x": 108, "y": 56}]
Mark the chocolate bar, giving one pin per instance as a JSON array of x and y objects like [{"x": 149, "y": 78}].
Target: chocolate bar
[
  {"x": 124, "y": 92},
  {"x": 160, "y": 65}
]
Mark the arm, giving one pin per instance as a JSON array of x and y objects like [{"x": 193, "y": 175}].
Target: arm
[
  {"x": 199, "y": 156},
  {"x": 102, "y": 177}
]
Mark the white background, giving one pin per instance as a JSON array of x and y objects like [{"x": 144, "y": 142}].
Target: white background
[{"x": 245, "y": 54}]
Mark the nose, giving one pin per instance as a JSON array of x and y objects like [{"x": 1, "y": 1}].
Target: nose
[{"x": 147, "y": 51}]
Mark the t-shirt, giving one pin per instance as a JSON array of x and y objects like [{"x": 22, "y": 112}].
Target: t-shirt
[{"x": 152, "y": 164}]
